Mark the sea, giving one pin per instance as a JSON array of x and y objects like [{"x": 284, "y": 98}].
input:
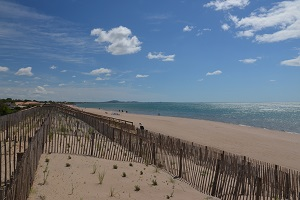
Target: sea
[{"x": 274, "y": 116}]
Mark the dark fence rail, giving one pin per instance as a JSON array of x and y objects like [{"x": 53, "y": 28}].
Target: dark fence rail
[{"x": 209, "y": 170}]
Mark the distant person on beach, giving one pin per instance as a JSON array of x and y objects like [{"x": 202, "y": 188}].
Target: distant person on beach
[{"x": 141, "y": 126}]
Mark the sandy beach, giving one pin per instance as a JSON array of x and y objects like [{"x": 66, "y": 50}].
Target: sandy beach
[
  {"x": 66, "y": 176},
  {"x": 80, "y": 180},
  {"x": 275, "y": 147}
]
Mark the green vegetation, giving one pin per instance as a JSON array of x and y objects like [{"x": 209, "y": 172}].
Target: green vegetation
[{"x": 115, "y": 166}]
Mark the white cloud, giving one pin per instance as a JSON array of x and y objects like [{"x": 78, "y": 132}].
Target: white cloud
[
  {"x": 100, "y": 79},
  {"x": 99, "y": 71},
  {"x": 225, "y": 27},
  {"x": 141, "y": 76},
  {"x": 200, "y": 80},
  {"x": 282, "y": 22},
  {"x": 24, "y": 71},
  {"x": 188, "y": 28},
  {"x": 248, "y": 60},
  {"x": 74, "y": 76},
  {"x": 3, "y": 69},
  {"x": 40, "y": 90},
  {"x": 122, "y": 82},
  {"x": 53, "y": 67},
  {"x": 206, "y": 29},
  {"x": 227, "y": 4},
  {"x": 160, "y": 56},
  {"x": 292, "y": 62},
  {"x": 120, "y": 39},
  {"x": 61, "y": 84},
  {"x": 36, "y": 78},
  {"x": 218, "y": 72},
  {"x": 63, "y": 71}
]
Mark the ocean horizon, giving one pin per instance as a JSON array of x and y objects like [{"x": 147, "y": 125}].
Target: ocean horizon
[{"x": 281, "y": 116}]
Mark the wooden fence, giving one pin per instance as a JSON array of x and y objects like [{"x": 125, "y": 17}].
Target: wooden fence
[{"x": 209, "y": 170}]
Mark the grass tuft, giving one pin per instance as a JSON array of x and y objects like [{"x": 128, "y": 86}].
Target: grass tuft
[
  {"x": 137, "y": 188},
  {"x": 101, "y": 177}
]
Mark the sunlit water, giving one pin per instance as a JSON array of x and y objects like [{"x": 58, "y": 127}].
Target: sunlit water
[{"x": 274, "y": 116}]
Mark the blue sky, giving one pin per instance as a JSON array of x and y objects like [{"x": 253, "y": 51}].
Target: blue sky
[{"x": 178, "y": 51}]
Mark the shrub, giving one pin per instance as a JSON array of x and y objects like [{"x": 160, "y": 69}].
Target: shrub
[
  {"x": 115, "y": 166},
  {"x": 68, "y": 164},
  {"x": 123, "y": 174},
  {"x": 137, "y": 188}
]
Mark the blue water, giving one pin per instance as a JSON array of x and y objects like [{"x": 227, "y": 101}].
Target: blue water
[{"x": 273, "y": 116}]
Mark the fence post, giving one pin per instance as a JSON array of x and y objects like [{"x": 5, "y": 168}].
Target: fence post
[
  {"x": 129, "y": 142},
  {"x": 2, "y": 196},
  {"x": 258, "y": 190},
  {"x": 214, "y": 187},
  {"x": 180, "y": 163},
  {"x": 141, "y": 142},
  {"x": 92, "y": 145},
  {"x": 287, "y": 186},
  {"x": 153, "y": 153},
  {"x": 276, "y": 180}
]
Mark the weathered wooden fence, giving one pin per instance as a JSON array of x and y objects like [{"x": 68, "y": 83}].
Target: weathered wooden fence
[{"x": 209, "y": 170}]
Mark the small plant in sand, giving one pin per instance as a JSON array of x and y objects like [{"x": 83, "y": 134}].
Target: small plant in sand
[
  {"x": 130, "y": 164},
  {"x": 72, "y": 190},
  {"x": 94, "y": 168},
  {"x": 68, "y": 164},
  {"x": 69, "y": 157},
  {"x": 112, "y": 192},
  {"x": 46, "y": 173},
  {"x": 171, "y": 180},
  {"x": 115, "y": 166},
  {"x": 124, "y": 174},
  {"x": 42, "y": 197},
  {"x": 137, "y": 188},
  {"x": 154, "y": 182},
  {"x": 141, "y": 172},
  {"x": 47, "y": 160},
  {"x": 101, "y": 176}
]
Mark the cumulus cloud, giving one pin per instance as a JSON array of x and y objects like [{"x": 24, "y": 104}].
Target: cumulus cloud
[
  {"x": 40, "y": 90},
  {"x": 63, "y": 71},
  {"x": 292, "y": 62},
  {"x": 218, "y": 72},
  {"x": 53, "y": 67},
  {"x": 24, "y": 71},
  {"x": 99, "y": 71},
  {"x": 248, "y": 60},
  {"x": 187, "y": 28},
  {"x": 227, "y": 4},
  {"x": 225, "y": 27},
  {"x": 160, "y": 56},
  {"x": 122, "y": 82},
  {"x": 141, "y": 76},
  {"x": 282, "y": 22},
  {"x": 3, "y": 69},
  {"x": 61, "y": 84},
  {"x": 120, "y": 40}
]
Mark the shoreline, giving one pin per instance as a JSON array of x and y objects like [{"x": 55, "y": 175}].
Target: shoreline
[
  {"x": 275, "y": 147},
  {"x": 185, "y": 117}
]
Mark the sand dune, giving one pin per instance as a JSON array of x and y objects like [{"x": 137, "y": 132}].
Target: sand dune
[{"x": 80, "y": 181}]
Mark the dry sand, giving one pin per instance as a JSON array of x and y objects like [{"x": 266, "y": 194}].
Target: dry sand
[
  {"x": 78, "y": 181},
  {"x": 275, "y": 147}
]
